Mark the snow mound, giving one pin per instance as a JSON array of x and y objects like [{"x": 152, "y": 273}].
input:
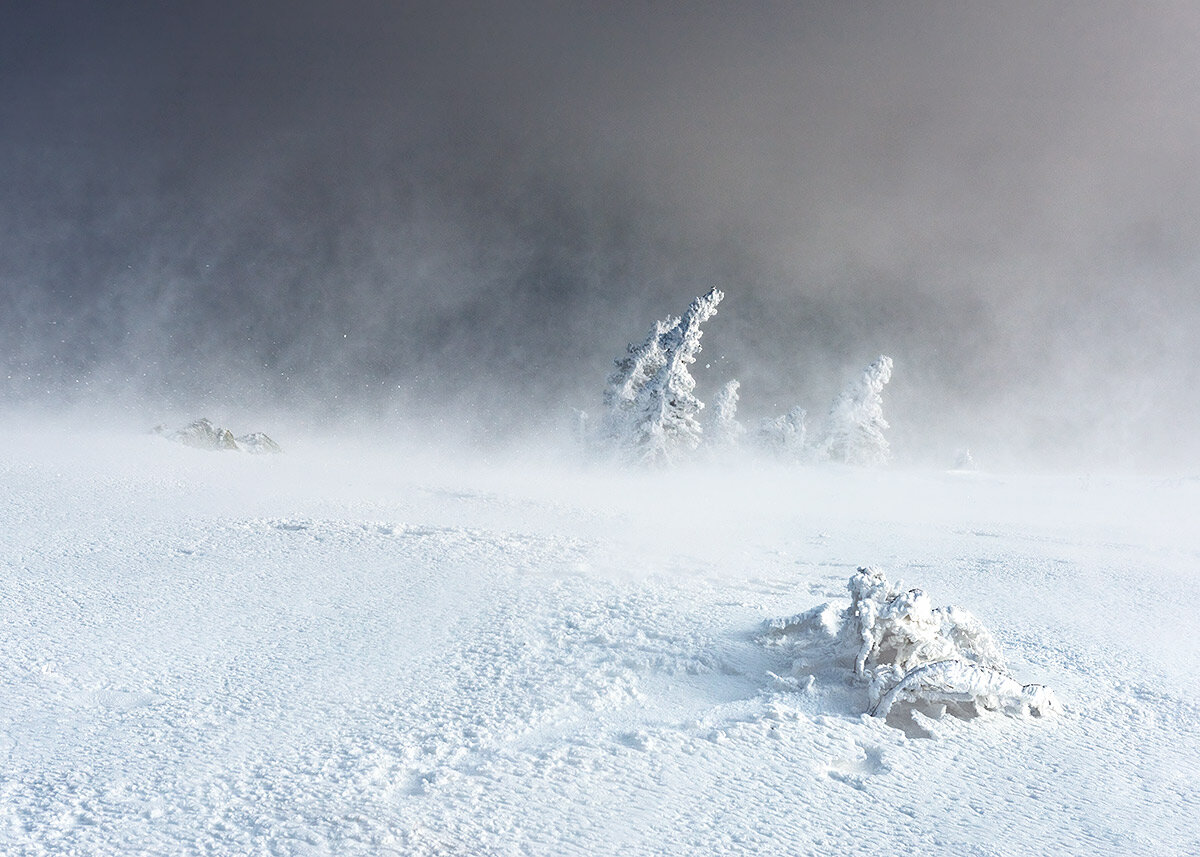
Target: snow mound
[
  {"x": 202, "y": 434},
  {"x": 907, "y": 654}
]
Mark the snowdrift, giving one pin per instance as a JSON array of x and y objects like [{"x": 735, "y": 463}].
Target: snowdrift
[{"x": 908, "y": 655}]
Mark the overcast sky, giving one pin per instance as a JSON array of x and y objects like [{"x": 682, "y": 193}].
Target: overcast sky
[{"x": 470, "y": 208}]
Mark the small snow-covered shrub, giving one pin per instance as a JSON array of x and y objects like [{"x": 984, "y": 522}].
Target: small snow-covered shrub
[
  {"x": 905, "y": 652},
  {"x": 785, "y": 437}
]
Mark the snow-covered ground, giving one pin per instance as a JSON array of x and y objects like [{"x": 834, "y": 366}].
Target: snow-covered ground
[{"x": 357, "y": 650}]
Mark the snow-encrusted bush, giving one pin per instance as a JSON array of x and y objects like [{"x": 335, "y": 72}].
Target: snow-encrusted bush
[
  {"x": 652, "y": 413},
  {"x": 785, "y": 437},
  {"x": 854, "y": 430},
  {"x": 904, "y": 652}
]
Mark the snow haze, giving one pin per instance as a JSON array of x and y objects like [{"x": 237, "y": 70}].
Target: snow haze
[{"x": 463, "y": 212}]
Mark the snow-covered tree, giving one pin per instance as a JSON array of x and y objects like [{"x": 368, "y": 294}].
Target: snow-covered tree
[
  {"x": 634, "y": 370},
  {"x": 963, "y": 460},
  {"x": 652, "y": 412},
  {"x": 785, "y": 436},
  {"x": 854, "y": 434},
  {"x": 725, "y": 431},
  {"x": 582, "y": 428}
]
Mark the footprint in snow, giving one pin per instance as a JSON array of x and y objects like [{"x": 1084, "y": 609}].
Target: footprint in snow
[{"x": 855, "y": 772}]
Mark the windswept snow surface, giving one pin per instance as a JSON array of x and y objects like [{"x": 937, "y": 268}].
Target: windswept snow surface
[{"x": 356, "y": 651}]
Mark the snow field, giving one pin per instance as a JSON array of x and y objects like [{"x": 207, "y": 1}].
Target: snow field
[{"x": 364, "y": 652}]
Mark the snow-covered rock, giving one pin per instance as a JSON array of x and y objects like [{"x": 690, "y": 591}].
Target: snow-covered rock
[
  {"x": 203, "y": 434},
  {"x": 258, "y": 443}
]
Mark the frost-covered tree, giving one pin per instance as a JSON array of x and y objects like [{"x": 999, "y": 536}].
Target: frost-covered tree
[
  {"x": 652, "y": 411},
  {"x": 854, "y": 434},
  {"x": 634, "y": 370},
  {"x": 725, "y": 431},
  {"x": 963, "y": 460},
  {"x": 582, "y": 428},
  {"x": 785, "y": 436}
]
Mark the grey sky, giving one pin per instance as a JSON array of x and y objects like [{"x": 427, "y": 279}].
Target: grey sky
[{"x": 474, "y": 206}]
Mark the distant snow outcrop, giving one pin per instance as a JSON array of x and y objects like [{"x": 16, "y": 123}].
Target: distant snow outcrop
[
  {"x": 907, "y": 654},
  {"x": 258, "y": 443},
  {"x": 202, "y": 434}
]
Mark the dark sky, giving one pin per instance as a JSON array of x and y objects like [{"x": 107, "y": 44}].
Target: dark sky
[{"x": 465, "y": 210}]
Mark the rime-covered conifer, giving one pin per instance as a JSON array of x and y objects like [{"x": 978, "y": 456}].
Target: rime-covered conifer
[
  {"x": 652, "y": 411},
  {"x": 854, "y": 434},
  {"x": 725, "y": 431},
  {"x": 634, "y": 370}
]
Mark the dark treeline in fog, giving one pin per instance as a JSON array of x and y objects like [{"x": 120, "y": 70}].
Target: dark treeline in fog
[{"x": 470, "y": 208}]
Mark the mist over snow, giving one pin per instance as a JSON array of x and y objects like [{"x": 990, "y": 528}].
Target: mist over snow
[{"x": 461, "y": 212}]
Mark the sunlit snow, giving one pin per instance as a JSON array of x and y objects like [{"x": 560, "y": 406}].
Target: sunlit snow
[{"x": 359, "y": 649}]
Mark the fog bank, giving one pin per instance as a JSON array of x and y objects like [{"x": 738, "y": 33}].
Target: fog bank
[{"x": 458, "y": 212}]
